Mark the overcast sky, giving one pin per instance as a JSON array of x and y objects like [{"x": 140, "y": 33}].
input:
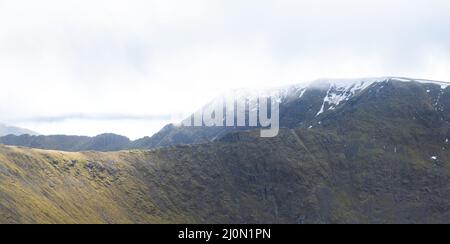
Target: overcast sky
[{"x": 124, "y": 66}]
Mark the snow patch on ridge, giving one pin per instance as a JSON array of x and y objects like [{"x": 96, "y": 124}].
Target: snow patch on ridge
[
  {"x": 343, "y": 90},
  {"x": 338, "y": 90},
  {"x": 302, "y": 92}
]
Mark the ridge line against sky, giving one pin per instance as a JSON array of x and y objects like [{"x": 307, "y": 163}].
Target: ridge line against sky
[{"x": 143, "y": 59}]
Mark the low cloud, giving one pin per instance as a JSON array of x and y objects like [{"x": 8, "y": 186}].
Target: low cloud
[
  {"x": 97, "y": 117},
  {"x": 137, "y": 60}
]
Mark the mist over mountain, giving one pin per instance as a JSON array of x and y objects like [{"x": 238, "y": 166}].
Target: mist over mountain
[
  {"x": 12, "y": 130},
  {"x": 301, "y": 106}
]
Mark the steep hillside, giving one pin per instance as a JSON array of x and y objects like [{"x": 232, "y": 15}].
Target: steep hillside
[{"x": 302, "y": 176}]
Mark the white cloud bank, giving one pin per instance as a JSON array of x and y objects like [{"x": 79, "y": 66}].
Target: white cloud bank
[{"x": 146, "y": 59}]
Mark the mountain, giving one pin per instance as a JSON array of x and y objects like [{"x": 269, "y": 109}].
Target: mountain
[
  {"x": 301, "y": 106},
  {"x": 366, "y": 151},
  {"x": 11, "y": 130}
]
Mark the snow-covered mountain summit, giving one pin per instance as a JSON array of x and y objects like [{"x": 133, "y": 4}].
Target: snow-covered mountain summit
[
  {"x": 337, "y": 90},
  {"x": 341, "y": 90}
]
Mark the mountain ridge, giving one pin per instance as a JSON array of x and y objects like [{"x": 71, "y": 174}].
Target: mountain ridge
[
  {"x": 382, "y": 156},
  {"x": 301, "y": 104}
]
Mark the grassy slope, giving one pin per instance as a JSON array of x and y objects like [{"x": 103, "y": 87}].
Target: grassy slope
[{"x": 52, "y": 187}]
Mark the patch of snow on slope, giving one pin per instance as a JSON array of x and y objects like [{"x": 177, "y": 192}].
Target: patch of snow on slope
[
  {"x": 343, "y": 90},
  {"x": 338, "y": 90},
  {"x": 302, "y": 92},
  {"x": 322, "y": 109}
]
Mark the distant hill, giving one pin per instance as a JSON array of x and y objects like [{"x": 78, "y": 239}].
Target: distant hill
[
  {"x": 12, "y": 130},
  {"x": 104, "y": 142}
]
